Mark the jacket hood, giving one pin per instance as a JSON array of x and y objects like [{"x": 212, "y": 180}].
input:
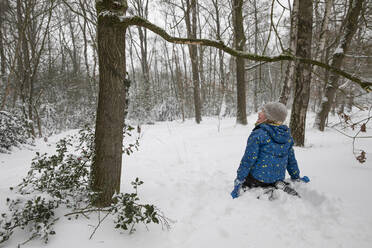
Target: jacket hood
[{"x": 279, "y": 133}]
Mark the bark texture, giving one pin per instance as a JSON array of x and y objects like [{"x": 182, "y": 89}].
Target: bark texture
[
  {"x": 321, "y": 53},
  {"x": 347, "y": 30},
  {"x": 239, "y": 39},
  {"x": 289, "y": 74},
  {"x": 302, "y": 73},
  {"x": 106, "y": 171},
  {"x": 191, "y": 24}
]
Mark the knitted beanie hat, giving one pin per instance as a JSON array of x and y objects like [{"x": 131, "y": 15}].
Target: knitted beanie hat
[{"x": 275, "y": 111}]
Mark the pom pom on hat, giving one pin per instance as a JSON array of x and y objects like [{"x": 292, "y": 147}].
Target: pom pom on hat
[{"x": 275, "y": 111}]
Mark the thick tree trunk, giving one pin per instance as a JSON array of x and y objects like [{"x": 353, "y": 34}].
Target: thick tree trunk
[
  {"x": 347, "y": 30},
  {"x": 241, "y": 115},
  {"x": 302, "y": 73},
  {"x": 106, "y": 170},
  {"x": 289, "y": 73}
]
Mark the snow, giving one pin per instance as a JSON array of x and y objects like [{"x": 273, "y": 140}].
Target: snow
[
  {"x": 339, "y": 50},
  {"x": 107, "y": 13},
  {"x": 189, "y": 169}
]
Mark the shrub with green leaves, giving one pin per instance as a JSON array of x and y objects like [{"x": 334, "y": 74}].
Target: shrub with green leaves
[
  {"x": 128, "y": 212},
  {"x": 13, "y": 132},
  {"x": 66, "y": 174},
  {"x": 35, "y": 214},
  {"x": 65, "y": 178}
]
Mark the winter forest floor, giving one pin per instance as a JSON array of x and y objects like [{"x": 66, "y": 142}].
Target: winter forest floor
[{"x": 188, "y": 172}]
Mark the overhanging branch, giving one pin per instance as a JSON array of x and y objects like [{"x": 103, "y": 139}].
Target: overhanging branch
[{"x": 139, "y": 21}]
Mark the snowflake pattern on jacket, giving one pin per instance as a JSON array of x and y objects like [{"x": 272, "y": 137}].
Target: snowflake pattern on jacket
[{"x": 269, "y": 153}]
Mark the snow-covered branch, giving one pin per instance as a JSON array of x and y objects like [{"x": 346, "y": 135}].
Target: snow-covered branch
[{"x": 139, "y": 21}]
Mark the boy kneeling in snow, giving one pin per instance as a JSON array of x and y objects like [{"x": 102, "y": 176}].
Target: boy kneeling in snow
[{"x": 269, "y": 153}]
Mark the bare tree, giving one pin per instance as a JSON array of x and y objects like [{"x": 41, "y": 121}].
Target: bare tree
[
  {"x": 3, "y": 63},
  {"x": 141, "y": 8},
  {"x": 239, "y": 41},
  {"x": 219, "y": 37},
  {"x": 347, "y": 30},
  {"x": 32, "y": 36},
  {"x": 191, "y": 26},
  {"x": 302, "y": 73},
  {"x": 289, "y": 74},
  {"x": 257, "y": 81},
  {"x": 321, "y": 50}
]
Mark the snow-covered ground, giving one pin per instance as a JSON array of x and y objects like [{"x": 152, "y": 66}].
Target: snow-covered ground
[{"x": 188, "y": 170}]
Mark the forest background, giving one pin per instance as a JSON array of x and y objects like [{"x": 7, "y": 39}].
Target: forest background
[{"x": 49, "y": 63}]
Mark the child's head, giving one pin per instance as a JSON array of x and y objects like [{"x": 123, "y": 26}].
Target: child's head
[{"x": 275, "y": 112}]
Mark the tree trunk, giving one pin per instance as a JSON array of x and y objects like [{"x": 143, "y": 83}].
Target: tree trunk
[
  {"x": 191, "y": 23},
  {"x": 141, "y": 8},
  {"x": 202, "y": 80},
  {"x": 350, "y": 102},
  {"x": 38, "y": 122},
  {"x": 203, "y": 95},
  {"x": 180, "y": 87},
  {"x": 133, "y": 76},
  {"x": 2, "y": 47},
  {"x": 289, "y": 73},
  {"x": 241, "y": 115},
  {"x": 106, "y": 169},
  {"x": 145, "y": 68},
  {"x": 321, "y": 52},
  {"x": 302, "y": 73},
  {"x": 347, "y": 30},
  {"x": 257, "y": 79},
  {"x": 24, "y": 63},
  {"x": 220, "y": 53},
  {"x": 3, "y": 80}
]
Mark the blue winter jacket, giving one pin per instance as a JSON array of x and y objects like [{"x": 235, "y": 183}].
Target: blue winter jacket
[{"x": 269, "y": 153}]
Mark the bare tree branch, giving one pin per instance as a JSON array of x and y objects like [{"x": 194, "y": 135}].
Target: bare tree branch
[{"x": 138, "y": 21}]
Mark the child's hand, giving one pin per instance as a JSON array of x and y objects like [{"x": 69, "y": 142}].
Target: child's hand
[
  {"x": 235, "y": 193},
  {"x": 305, "y": 179},
  {"x": 237, "y": 185}
]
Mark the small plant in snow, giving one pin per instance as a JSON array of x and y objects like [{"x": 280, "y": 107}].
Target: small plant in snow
[
  {"x": 128, "y": 212},
  {"x": 36, "y": 215}
]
